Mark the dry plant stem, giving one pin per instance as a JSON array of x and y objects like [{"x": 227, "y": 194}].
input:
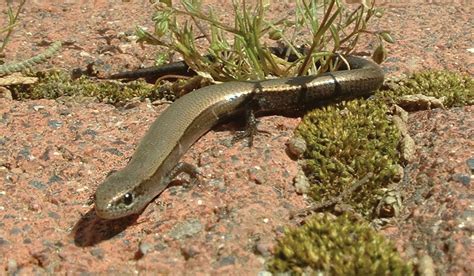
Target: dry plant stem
[{"x": 332, "y": 201}]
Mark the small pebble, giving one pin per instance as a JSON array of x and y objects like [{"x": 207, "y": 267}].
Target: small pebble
[
  {"x": 12, "y": 267},
  {"x": 301, "y": 183},
  {"x": 400, "y": 124},
  {"x": 408, "y": 149},
  {"x": 401, "y": 113},
  {"x": 133, "y": 103},
  {"x": 470, "y": 164},
  {"x": 38, "y": 107},
  {"x": 256, "y": 174},
  {"x": 97, "y": 252},
  {"x": 228, "y": 260},
  {"x": 399, "y": 173},
  {"x": 297, "y": 146},
  {"x": 426, "y": 266},
  {"x": 5, "y": 93},
  {"x": 144, "y": 248},
  {"x": 55, "y": 124},
  {"x": 37, "y": 184},
  {"x": 190, "y": 251},
  {"x": 462, "y": 178},
  {"x": 218, "y": 183},
  {"x": 187, "y": 228},
  {"x": 263, "y": 248}
]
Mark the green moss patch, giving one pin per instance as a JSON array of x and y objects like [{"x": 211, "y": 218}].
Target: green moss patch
[
  {"x": 338, "y": 246},
  {"x": 345, "y": 142},
  {"x": 52, "y": 85},
  {"x": 456, "y": 88}
]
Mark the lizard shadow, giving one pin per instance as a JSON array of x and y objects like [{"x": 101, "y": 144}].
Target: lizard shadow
[{"x": 91, "y": 230}]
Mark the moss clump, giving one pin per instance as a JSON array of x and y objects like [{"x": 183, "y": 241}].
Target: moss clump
[
  {"x": 58, "y": 83},
  {"x": 458, "y": 89},
  {"x": 345, "y": 142},
  {"x": 337, "y": 247}
]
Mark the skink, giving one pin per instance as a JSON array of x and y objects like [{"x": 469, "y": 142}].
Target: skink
[{"x": 156, "y": 160}]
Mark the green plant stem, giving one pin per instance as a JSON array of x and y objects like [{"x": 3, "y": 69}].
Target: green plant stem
[{"x": 11, "y": 23}]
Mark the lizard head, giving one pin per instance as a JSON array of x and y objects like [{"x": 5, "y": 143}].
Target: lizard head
[{"x": 116, "y": 197}]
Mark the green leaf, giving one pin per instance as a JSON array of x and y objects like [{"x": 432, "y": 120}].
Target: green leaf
[
  {"x": 275, "y": 34},
  {"x": 145, "y": 36},
  {"x": 166, "y": 2},
  {"x": 161, "y": 58},
  {"x": 335, "y": 36},
  {"x": 385, "y": 35}
]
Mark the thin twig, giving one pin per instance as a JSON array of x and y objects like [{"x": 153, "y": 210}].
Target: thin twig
[{"x": 332, "y": 201}]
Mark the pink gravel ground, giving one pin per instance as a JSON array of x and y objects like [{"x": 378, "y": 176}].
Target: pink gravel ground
[{"x": 53, "y": 155}]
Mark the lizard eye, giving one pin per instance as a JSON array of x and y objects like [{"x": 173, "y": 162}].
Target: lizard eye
[{"x": 128, "y": 198}]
